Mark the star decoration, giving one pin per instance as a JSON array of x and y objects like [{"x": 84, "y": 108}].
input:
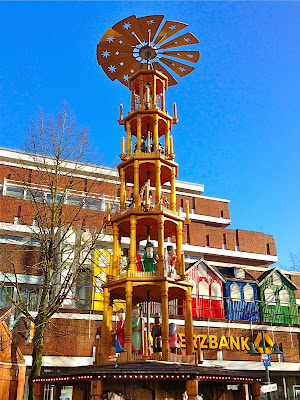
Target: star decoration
[
  {"x": 117, "y": 53},
  {"x": 132, "y": 71},
  {"x": 105, "y": 53},
  {"x": 182, "y": 69},
  {"x": 112, "y": 68},
  {"x": 110, "y": 39},
  {"x": 190, "y": 56},
  {"x": 126, "y": 78},
  {"x": 133, "y": 33},
  {"x": 127, "y": 25},
  {"x": 121, "y": 63},
  {"x": 150, "y": 21},
  {"x": 172, "y": 27},
  {"x": 187, "y": 39}
]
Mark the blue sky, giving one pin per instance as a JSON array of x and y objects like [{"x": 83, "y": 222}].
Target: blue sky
[{"x": 238, "y": 132}]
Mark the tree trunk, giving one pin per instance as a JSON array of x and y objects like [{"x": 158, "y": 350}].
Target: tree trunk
[{"x": 37, "y": 353}]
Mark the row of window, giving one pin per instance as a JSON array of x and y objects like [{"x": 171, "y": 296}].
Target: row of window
[{"x": 70, "y": 199}]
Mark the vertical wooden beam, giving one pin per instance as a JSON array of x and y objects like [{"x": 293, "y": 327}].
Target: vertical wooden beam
[
  {"x": 161, "y": 236},
  {"x": 96, "y": 390},
  {"x": 157, "y": 183},
  {"x": 155, "y": 133},
  {"x": 115, "y": 249},
  {"x": 173, "y": 189},
  {"x": 255, "y": 390},
  {"x": 189, "y": 322},
  {"x": 167, "y": 139},
  {"x": 192, "y": 389},
  {"x": 132, "y": 248},
  {"x": 128, "y": 139},
  {"x": 21, "y": 382},
  {"x": 165, "y": 320},
  {"x": 105, "y": 324},
  {"x": 179, "y": 233},
  {"x": 136, "y": 187},
  {"x": 128, "y": 320},
  {"x": 38, "y": 391},
  {"x": 122, "y": 189},
  {"x": 138, "y": 134}
]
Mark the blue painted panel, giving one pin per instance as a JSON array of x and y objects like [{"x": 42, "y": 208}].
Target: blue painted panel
[{"x": 241, "y": 310}]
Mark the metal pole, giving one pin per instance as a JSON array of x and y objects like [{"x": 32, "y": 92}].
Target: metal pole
[{"x": 266, "y": 368}]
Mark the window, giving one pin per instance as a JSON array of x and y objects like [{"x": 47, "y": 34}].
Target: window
[
  {"x": 34, "y": 195},
  {"x": 15, "y": 192},
  {"x": 4, "y": 300},
  {"x": 74, "y": 200},
  {"x": 224, "y": 245},
  {"x": 1, "y": 342},
  {"x": 235, "y": 292},
  {"x": 203, "y": 288},
  {"x": 248, "y": 293},
  {"x": 216, "y": 291},
  {"x": 269, "y": 297},
  {"x": 207, "y": 241},
  {"x": 284, "y": 298},
  {"x": 50, "y": 199},
  {"x": 222, "y": 214},
  {"x": 93, "y": 204}
]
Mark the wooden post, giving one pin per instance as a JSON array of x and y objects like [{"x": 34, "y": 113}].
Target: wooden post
[
  {"x": 161, "y": 236},
  {"x": 138, "y": 134},
  {"x": 165, "y": 320},
  {"x": 128, "y": 139},
  {"x": 239, "y": 394},
  {"x": 179, "y": 247},
  {"x": 122, "y": 189},
  {"x": 105, "y": 324},
  {"x": 167, "y": 139},
  {"x": 189, "y": 322},
  {"x": 255, "y": 390},
  {"x": 128, "y": 320},
  {"x": 96, "y": 390},
  {"x": 136, "y": 188},
  {"x": 173, "y": 189},
  {"x": 115, "y": 249},
  {"x": 38, "y": 391},
  {"x": 155, "y": 133},
  {"x": 157, "y": 183},
  {"x": 192, "y": 389},
  {"x": 56, "y": 392},
  {"x": 132, "y": 249}
]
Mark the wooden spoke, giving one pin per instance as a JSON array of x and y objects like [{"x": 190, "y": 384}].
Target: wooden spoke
[
  {"x": 179, "y": 68},
  {"x": 191, "y": 56}
]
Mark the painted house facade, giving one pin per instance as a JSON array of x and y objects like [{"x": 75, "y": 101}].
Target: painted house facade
[{"x": 278, "y": 299}]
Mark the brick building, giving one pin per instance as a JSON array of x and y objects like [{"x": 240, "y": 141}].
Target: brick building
[{"x": 240, "y": 259}]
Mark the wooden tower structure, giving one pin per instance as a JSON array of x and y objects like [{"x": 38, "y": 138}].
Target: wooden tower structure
[{"x": 147, "y": 163}]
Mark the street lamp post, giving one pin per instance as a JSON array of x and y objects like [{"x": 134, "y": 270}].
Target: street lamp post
[{"x": 254, "y": 352}]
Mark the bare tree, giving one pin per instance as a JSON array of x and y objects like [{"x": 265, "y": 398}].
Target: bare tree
[{"x": 57, "y": 197}]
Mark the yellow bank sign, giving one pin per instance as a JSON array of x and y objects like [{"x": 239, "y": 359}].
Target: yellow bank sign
[{"x": 214, "y": 342}]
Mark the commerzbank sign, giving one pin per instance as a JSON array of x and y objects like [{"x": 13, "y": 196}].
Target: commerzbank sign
[{"x": 214, "y": 342}]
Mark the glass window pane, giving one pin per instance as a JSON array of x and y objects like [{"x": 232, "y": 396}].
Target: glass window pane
[
  {"x": 15, "y": 192},
  {"x": 74, "y": 200},
  {"x": 36, "y": 195},
  {"x": 93, "y": 204}
]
